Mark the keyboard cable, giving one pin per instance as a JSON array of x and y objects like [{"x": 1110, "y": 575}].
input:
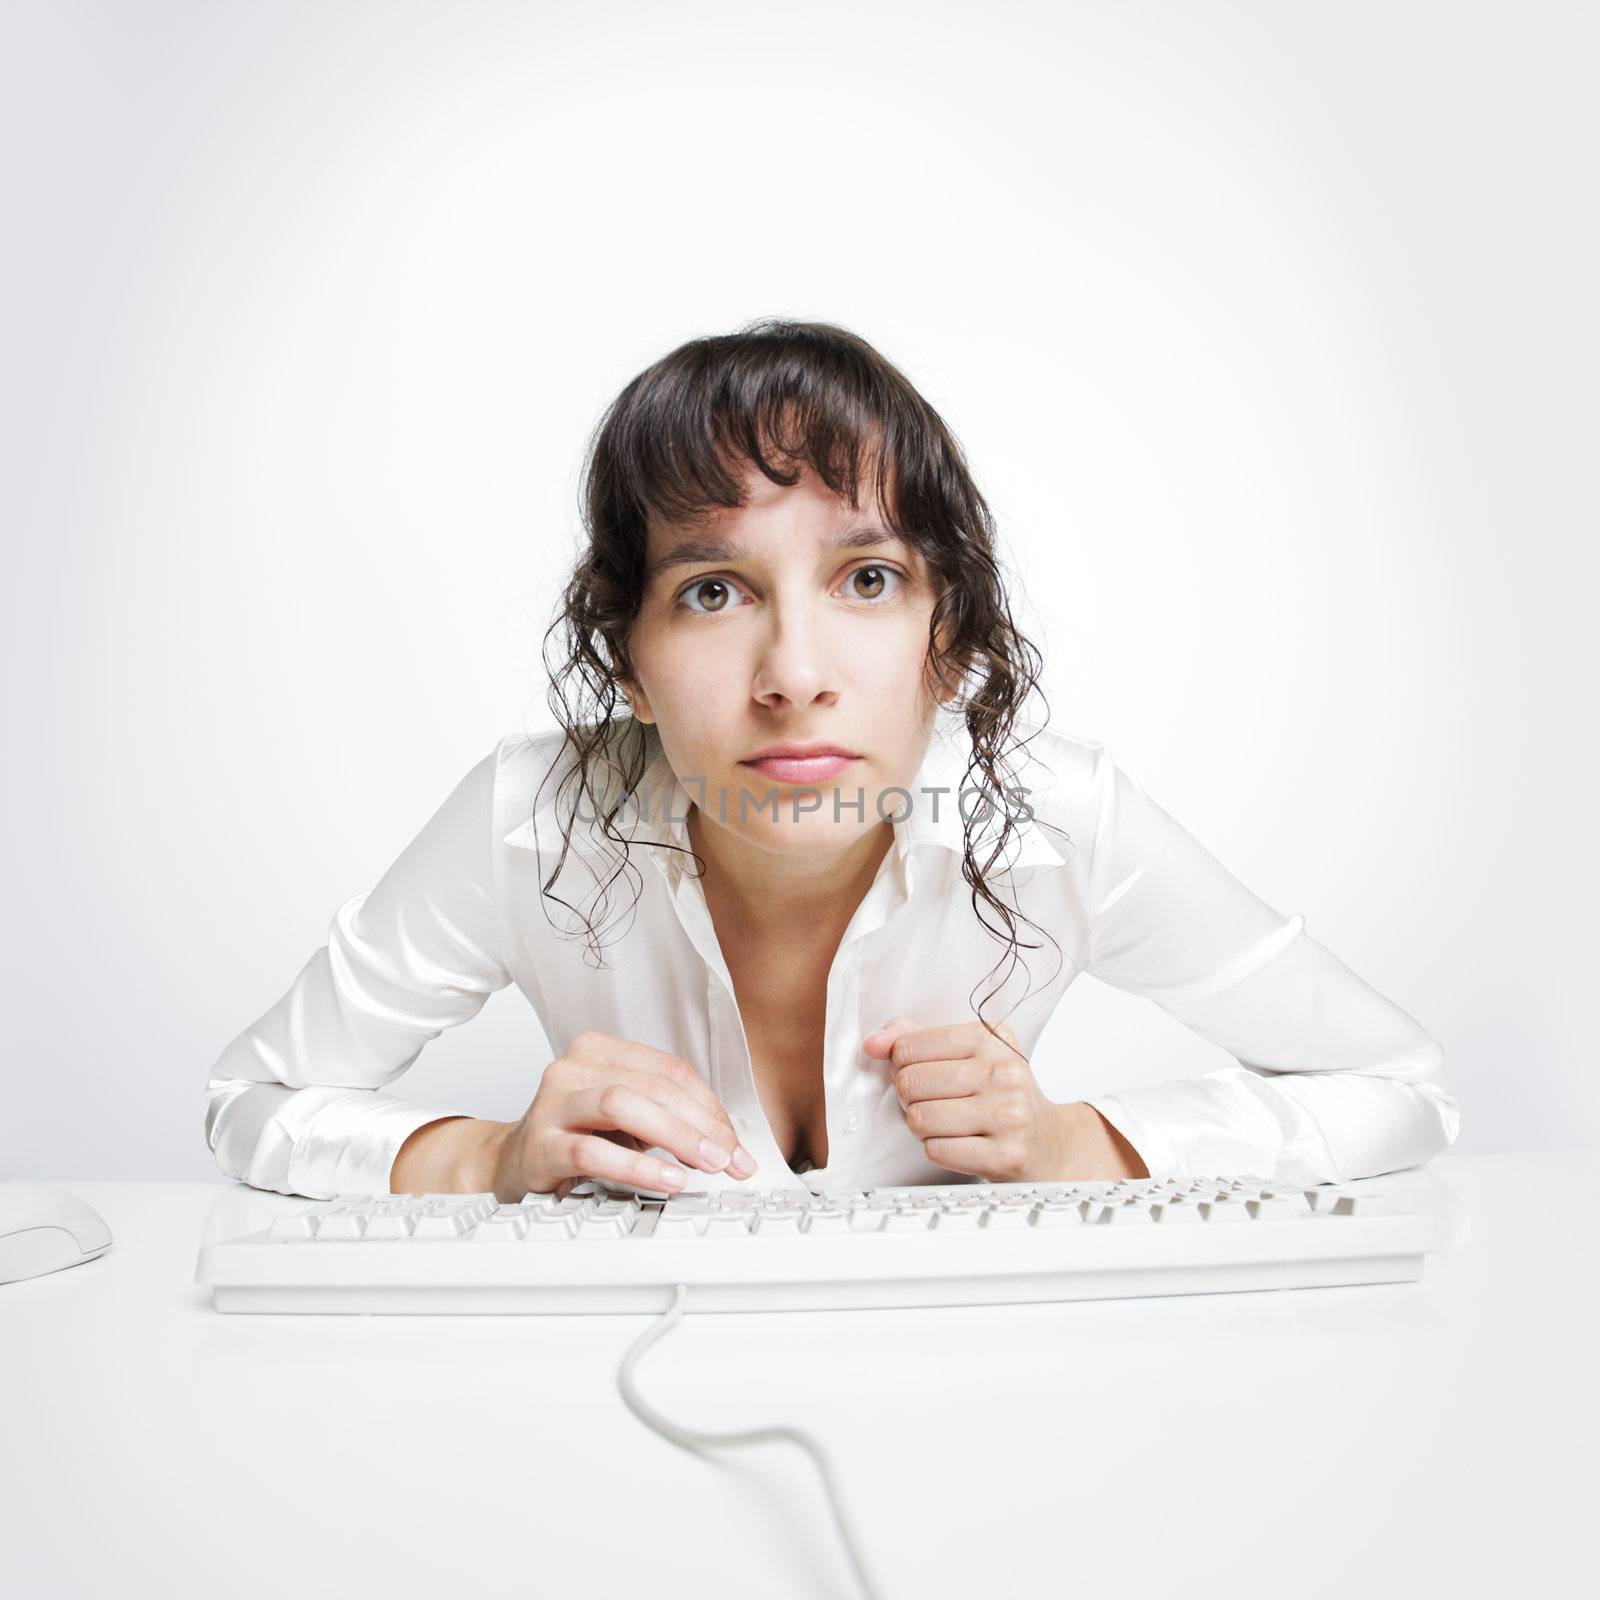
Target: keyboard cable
[{"x": 697, "y": 1439}]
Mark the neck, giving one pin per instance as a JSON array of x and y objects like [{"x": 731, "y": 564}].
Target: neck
[{"x": 760, "y": 892}]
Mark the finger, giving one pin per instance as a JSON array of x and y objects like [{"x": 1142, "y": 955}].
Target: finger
[
  {"x": 878, "y": 1042},
  {"x": 973, "y": 1155},
  {"x": 682, "y": 1083},
  {"x": 939, "y": 1080},
  {"x": 683, "y": 1075},
  {"x": 713, "y": 1124},
  {"x": 950, "y": 1119},
  {"x": 598, "y": 1157},
  {"x": 626, "y": 1109},
  {"x": 932, "y": 1044}
]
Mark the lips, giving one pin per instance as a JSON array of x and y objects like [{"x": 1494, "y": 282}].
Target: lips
[
  {"x": 801, "y": 763},
  {"x": 799, "y": 750}
]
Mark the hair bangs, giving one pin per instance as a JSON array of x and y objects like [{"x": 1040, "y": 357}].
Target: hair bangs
[{"x": 779, "y": 396}]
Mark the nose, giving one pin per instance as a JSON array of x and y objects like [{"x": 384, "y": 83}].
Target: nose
[{"x": 796, "y": 659}]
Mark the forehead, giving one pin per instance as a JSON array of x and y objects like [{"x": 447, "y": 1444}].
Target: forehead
[
  {"x": 808, "y": 495},
  {"x": 806, "y": 511}
]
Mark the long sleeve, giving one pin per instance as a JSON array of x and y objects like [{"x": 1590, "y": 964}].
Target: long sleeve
[
  {"x": 1333, "y": 1082},
  {"x": 293, "y": 1103}
]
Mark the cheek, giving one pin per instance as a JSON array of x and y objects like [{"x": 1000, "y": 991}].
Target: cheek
[
  {"x": 892, "y": 659},
  {"x": 695, "y": 699},
  {"x": 902, "y": 634},
  {"x": 674, "y": 669}
]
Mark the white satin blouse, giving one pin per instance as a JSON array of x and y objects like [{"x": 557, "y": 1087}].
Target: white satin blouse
[{"x": 1330, "y": 1081}]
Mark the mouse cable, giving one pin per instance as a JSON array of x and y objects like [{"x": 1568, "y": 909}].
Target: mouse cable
[{"x": 696, "y": 1439}]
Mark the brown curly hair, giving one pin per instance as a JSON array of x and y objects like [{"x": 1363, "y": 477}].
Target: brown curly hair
[{"x": 777, "y": 394}]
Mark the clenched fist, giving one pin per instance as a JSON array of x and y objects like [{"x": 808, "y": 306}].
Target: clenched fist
[{"x": 976, "y": 1106}]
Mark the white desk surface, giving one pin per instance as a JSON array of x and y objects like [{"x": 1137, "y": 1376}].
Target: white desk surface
[{"x": 1397, "y": 1439}]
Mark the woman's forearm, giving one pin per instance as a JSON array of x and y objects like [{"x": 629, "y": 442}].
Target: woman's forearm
[
  {"x": 1089, "y": 1147},
  {"x": 454, "y": 1155}
]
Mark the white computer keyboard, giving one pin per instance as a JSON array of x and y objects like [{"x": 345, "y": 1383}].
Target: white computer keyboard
[{"x": 751, "y": 1249}]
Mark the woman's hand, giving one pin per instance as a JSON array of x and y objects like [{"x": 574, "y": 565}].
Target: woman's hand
[
  {"x": 598, "y": 1106},
  {"x": 976, "y": 1106}
]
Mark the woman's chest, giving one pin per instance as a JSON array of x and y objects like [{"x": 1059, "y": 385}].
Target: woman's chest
[
  {"x": 782, "y": 1006},
  {"x": 673, "y": 983}
]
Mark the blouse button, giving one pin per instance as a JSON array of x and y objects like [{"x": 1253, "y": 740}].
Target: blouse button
[{"x": 852, "y": 1122}]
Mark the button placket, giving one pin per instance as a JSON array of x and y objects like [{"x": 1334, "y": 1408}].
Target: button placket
[
  {"x": 728, "y": 1081},
  {"x": 842, "y": 1085},
  {"x": 722, "y": 1007}
]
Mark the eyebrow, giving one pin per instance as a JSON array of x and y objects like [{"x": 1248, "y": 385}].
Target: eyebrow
[{"x": 697, "y": 552}]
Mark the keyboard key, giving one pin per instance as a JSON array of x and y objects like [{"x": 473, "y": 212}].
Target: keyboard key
[
  {"x": 834, "y": 1219},
  {"x": 602, "y": 1224},
  {"x": 543, "y": 1230},
  {"x": 340, "y": 1225},
  {"x": 679, "y": 1225},
  {"x": 390, "y": 1226},
  {"x": 507, "y": 1230},
  {"x": 1008, "y": 1214},
  {"x": 772, "y": 1224},
  {"x": 1057, "y": 1215},
  {"x": 911, "y": 1220},
  {"x": 441, "y": 1225}
]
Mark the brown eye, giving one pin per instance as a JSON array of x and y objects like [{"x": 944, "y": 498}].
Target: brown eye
[
  {"x": 875, "y": 576},
  {"x": 706, "y": 583}
]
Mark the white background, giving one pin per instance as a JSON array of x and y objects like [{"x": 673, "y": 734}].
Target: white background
[{"x": 1269, "y": 330}]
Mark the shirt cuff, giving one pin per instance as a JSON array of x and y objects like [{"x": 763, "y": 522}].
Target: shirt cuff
[
  {"x": 1230, "y": 1123},
  {"x": 348, "y": 1147}
]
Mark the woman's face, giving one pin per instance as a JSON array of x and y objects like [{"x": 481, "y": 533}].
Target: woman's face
[{"x": 793, "y": 618}]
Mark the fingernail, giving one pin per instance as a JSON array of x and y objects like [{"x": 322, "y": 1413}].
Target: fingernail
[
  {"x": 743, "y": 1163},
  {"x": 713, "y": 1155},
  {"x": 673, "y": 1177}
]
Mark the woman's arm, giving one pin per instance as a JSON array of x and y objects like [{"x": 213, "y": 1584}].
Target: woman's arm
[
  {"x": 1332, "y": 1081},
  {"x": 455, "y": 1155},
  {"x": 293, "y": 1103}
]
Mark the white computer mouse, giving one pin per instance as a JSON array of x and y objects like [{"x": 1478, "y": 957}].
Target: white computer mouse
[{"x": 44, "y": 1228}]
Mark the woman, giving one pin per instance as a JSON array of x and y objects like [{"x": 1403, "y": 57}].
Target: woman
[{"x": 791, "y": 684}]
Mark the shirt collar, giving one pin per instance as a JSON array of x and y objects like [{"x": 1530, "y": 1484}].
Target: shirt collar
[{"x": 657, "y": 811}]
